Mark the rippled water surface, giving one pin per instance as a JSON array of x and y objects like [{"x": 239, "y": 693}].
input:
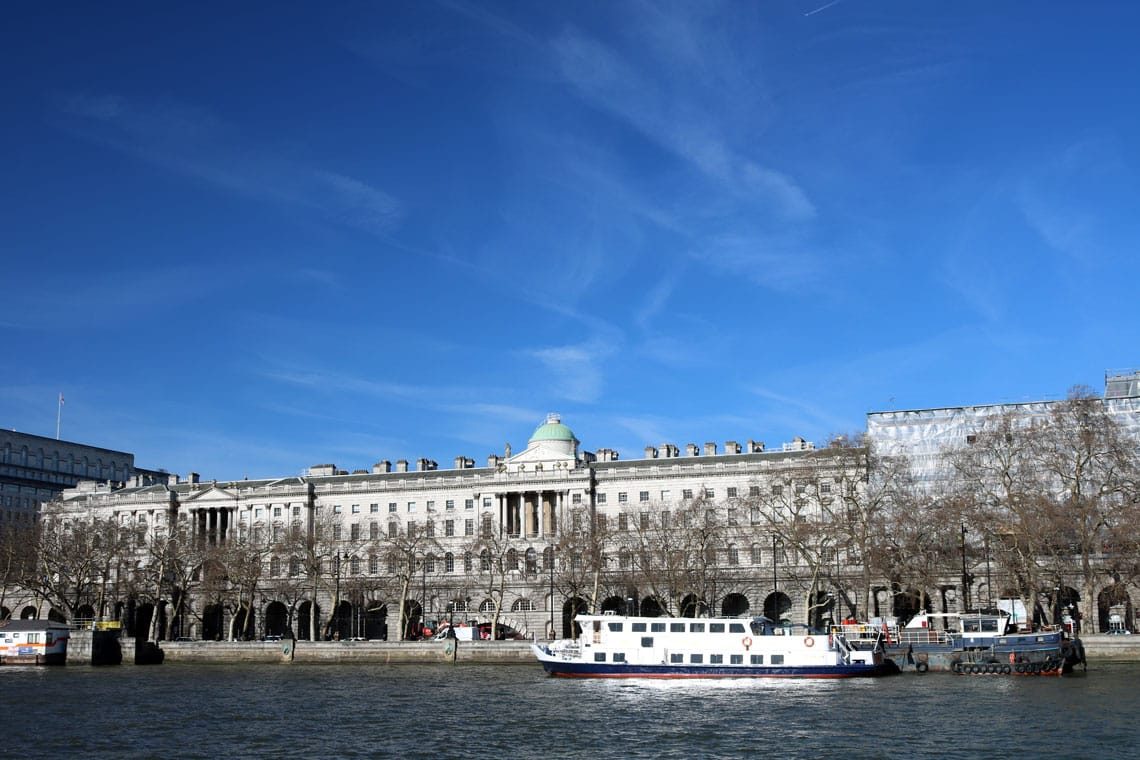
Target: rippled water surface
[{"x": 501, "y": 711}]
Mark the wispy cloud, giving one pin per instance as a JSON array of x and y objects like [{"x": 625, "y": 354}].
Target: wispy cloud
[
  {"x": 611, "y": 83},
  {"x": 196, "y": 143},
  {"x": 575, "y": 371}
]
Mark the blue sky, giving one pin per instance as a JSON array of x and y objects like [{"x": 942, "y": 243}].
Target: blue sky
[{"x": 245, "y": 238}]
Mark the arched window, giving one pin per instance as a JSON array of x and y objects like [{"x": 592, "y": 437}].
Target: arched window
[
  {"x": 757, "y": 555},
  {"x": 449, "y": 563},
  {"x": 466, "y": 562},
  {"x": 485, "y": 560},
  {"x": 487, "y": 605},
  {"x": 623, "y": 558},
  {"x": 429, "y": 564},
  {"x": 275, "y": 567},
  {"x": 522, "y": 605},
  {"x": 531, "y": 560},
  {"x": 733, "y": 555},
  {"x": 512, "y": 560}
]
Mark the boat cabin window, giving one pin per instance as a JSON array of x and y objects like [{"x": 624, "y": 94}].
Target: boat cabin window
[
  {"x": 657, "y": 627},
  {"x": 736, "y": 659},
  {"x": 716, "y": 659},
  {"x": 716, "y": 627},
  {"x": 777, "y": 659},
  {"x": 615, "y": 627},
  {"x": 599, "y": 656},
  {"x": 675, "y": 657},
  {"x": 736, "y": 628},
  {"x": 646, "y": 641},
  {"x": 638, "y": 627},
  {"x": 757, "y": 659},
  {"x": 696, "y": 658},
  {"x": 696, "y": 627},
  {"x": 677, "y": 627},
  {"x": 619, "y": 656},
  {"x": 48, "y": 638}
]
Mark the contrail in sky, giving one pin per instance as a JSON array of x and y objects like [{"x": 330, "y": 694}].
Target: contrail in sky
[{"x": 823, "y": 7}]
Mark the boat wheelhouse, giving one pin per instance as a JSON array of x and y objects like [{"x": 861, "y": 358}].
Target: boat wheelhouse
[
  {"x": 33, "y": 642},
  {"x": 616, "y": 646}
]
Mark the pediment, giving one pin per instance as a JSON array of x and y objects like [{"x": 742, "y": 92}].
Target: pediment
[{"x": 213, "y": 493}]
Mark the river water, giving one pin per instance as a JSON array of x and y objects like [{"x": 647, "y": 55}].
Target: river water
[{"x": 507, "y": 711}]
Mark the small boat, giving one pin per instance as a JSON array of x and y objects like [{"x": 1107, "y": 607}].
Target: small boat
[
  {"x": 618, "y": 646},
  {"x": 33, "y": 642},
  {"x": 969, "y": 643}
]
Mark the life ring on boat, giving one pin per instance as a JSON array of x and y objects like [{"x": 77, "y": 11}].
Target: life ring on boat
[
  {"x": 921, "y": 667},
  {"x": 747, "y": 642},
  {"x": 809, "y": 641}
]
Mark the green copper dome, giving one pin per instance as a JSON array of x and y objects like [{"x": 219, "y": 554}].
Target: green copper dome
[{"x": 553, "y": 430}]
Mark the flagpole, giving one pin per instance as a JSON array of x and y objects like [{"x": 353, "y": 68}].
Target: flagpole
[{"x": 58, "y": 415}]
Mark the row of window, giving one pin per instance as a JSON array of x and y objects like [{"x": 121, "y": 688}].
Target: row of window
[
  {"x": 678, "y": 658},
  {"x": 679, "y": 627}
]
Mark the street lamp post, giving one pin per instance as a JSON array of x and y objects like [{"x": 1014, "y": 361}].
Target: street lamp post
[
  {"x": 336, "y": 596},
  {"x": 553, "y": 550},
  {"x": 967, "y": 579}
]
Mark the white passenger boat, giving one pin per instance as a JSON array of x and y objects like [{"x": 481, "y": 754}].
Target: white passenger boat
[
  {"x": 615, "y": 646},
  {"x": 33, "y": 642}
]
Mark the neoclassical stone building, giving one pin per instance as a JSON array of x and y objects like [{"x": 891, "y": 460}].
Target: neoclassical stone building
[{"x": 521, "y": 505}]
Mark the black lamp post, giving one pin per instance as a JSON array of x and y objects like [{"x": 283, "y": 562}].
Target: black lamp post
[
  {"x": 967, "y": 579},
  {"x": 553, "y": 550},
  {"x": 775, "y": 583},
  {"x": 336, "y": 596}
]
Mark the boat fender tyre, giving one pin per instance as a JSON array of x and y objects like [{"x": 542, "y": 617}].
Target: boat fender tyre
[
  {"x": 973, "y": 669},
  {"x": 1019, "y": 668},
  {"x": 991, "y": 669},
  {"x": 921, "y": 667},
  {"x": 1006, "y": 670},
  {"x": 809, "y": 642},
  {"x": 1036, "y": 667}
]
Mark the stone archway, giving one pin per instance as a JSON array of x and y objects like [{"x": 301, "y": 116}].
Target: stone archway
[
  {"x": 614, "y": 604},
  {"x": 777, "y": 605},
  {"x": 213, "y": 622},
  {"x": 1066, "y": 603},
  {"x": 5, "y": 613},
  {"x": 276, "y": 619},
  {"x": 28, "y": 613},
  {"x": 570, "y": 609},
  {"x": 651, "y": 606},
  {"x": 376, "y": 621},
  {"x": 908, "y": 603},
  {"x": 243, "y": 626},
  {"x": 1114, "y": 610},
  {"x": 305, "y": 615},
  {"x": 342, "y": 621},
  {"x": 734, "y": 605},
  {"x": 692, "y": 607}
]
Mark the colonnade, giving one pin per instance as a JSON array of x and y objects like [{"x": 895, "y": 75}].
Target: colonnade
[{"x": 530, "y": 513}]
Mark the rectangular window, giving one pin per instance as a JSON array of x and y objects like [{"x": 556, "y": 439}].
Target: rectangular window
[
  {"x": 277, "y": 511},
  {"x": 696, "y": 659},
  {"x": 732, "y": 492},
  {"x": 374, "y": 530},
  {"x": 431, "y": 529},
  {"x": 391, "y": 506},
  {"x": 393, "y": 529},
  {"x": 643, "y": 520},
  {"x": 716, "y": 659},
  {"x": 676, "y": 628},
  {"x": 411, "y": 528},
  {"x": 355, "y": 509},
  {"x": 487, "y": 502},
  {"x": 469, "y": 504},
  {"x": 601, "y": 498},
  {"x": 643, "y": 496},
  {"x": 736, "y": 659},
  {"x": 601, "y": 523},
  {"x": 373, "y": 509},
  {"x": 777, "y": 659},
  {"x": 599, "y": 656},
  {"x": 623, "y": 521},
  {"x": 297, "y": 511},
  {"x": 757, "y": 659},
  {"x": 696, "y": 627},
  {"x": 257, "y": 513},
  {"x": 687, "y": 493},
  {"x": 354, "y": 531},
  {"x": 825, "y": 488},
  {"x": 469, "y": 527},
  {"x": 710, "y": 493},
  {"x": 646, "y": 641},
  {"x": 657, "y": 627},
  {"x": 619, "y": 656},
  {"x": 716, "y": 627},
  {"x": 336, "y": 532},
  {"x": 623, "y": 497},
  {"x": 665, "y": 495},
  {"x": 638, "y": 627},
  {"x": 576, "y": 498},
  {"x": 449, "y": 528},
  {"x": 411, "y": 506},
  {"x": 449, "y": 504},
  {"x": 736, "y": 627},
  {"x": 431, "y": 506},
  {"x": 675, "y": 657},
  {"x": 777, "y": 490},
  {"x": 753, "y": 490}
]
